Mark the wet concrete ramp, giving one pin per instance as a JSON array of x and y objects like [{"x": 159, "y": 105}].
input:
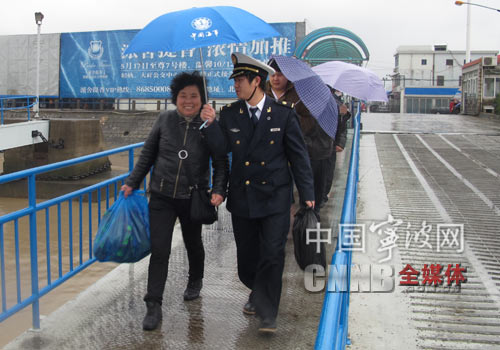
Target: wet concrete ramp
[{"x": 109, "y": 314}]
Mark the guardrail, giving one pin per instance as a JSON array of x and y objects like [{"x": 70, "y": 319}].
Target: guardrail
[
  {"x": 333, "y": 325},
  {"x": 73, "y": 262},
  {"x": 6, "y": 104}
]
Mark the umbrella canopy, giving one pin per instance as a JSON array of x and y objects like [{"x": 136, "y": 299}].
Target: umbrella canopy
[
  {"x": 313, "y": 93},
  {"x": 352, "y": 80},
  {"x": 199, "y": 27}
]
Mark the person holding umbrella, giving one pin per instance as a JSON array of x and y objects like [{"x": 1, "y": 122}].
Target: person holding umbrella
[
  {"x": 180, "y": 154},
  {"x": 319, "y": 144},
  {"x": 267, "y": 148},
  {"x": 340, "y": 141}
]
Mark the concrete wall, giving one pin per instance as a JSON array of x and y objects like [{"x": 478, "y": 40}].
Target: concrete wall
[
  {"x": 69, "y": 138},
  {"x": 118, "y": 128}
]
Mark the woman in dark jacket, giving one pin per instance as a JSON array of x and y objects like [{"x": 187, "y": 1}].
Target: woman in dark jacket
[
  {"x": 180, "y": 154},
  {"x": 319, "y": 144}
]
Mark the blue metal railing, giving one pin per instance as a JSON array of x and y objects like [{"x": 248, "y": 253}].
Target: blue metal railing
[
  {"x": 9, "y": 225},
  {"x": 333, "y": 325},
  {"x": 7, "y": 101}
]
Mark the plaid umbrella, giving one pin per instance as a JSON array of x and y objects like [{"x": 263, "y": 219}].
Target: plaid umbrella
[{"x": 312, "y": 91}]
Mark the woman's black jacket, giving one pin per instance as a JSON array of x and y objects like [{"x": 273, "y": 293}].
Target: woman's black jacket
[{"x": 177, "y": 148}]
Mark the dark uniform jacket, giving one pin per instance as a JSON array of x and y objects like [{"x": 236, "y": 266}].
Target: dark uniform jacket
[
  {"x": 341, "y": 135},
  {"x": 170, "y": 134},
  {"x": 319, "y": 144},
  {"x": 263, "y": 160}
]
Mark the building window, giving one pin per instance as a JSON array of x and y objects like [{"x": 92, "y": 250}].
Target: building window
[
  {"x": 460, "y": 81},
  {"x": 440, "y": 80},
  {"x": 424, "y": 62},
  {"x": 449, "y": 62},
  {"x": 497, "y": 87},
  {"x": 489, "y": 87}
]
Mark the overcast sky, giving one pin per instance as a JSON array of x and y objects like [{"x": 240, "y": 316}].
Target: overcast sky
[{"x": 383, "y": 25}]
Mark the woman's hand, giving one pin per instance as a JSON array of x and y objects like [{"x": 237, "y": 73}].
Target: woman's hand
[
  {"x": 207, "y": 113},
  {"x": 310, "y": 204},
  {"x": 127, "y": 190},
  {"x": 216, "y": 200}
]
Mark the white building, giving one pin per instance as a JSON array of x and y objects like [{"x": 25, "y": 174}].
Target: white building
[
  {"x": 427, "y": 77},
  {"x": 481, "y": 84}
]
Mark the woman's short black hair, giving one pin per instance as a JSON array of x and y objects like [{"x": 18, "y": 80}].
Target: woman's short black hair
[{"x": 184, "y": 79}]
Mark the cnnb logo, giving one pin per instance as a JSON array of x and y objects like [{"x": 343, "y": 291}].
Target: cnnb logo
[
  {"x": 201, "y": 23},
  {"x": 363, "y": 278},
  {"x": 95, "y": 49}
]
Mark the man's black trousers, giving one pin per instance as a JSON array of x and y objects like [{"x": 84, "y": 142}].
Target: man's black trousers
[{"x": 260, "y": 245}]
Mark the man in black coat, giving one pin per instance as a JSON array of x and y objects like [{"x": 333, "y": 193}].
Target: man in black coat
[
  {"x": 340, "y": 141},
  {"x": 267, "y": 147}
]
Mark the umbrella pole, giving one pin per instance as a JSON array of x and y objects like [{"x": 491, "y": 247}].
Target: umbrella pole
[
  {"x": 203, "y": 75},
  {"x": 204, "y": 83}
]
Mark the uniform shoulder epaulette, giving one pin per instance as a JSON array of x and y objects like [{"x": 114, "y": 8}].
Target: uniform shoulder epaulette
[
  {"x": 285, "y": 103},
  {"x": 230, "y": 105}
]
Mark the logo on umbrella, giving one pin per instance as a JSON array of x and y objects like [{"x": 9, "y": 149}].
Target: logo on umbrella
[{"x": 201, "y": 23}]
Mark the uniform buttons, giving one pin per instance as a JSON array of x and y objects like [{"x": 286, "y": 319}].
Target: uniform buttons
[
  {"x": 237, "y": 142},
  {"x": 247, "y": 182},
  {"x": 247, "y": 163},
  {"x": 262, "y": 163},
  {"x": 272, "y": 142}
]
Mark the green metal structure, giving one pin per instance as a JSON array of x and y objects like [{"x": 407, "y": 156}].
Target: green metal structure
[{"x": 332, "y": 44}]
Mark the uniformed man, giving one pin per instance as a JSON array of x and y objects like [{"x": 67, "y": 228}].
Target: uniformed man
[{"x": 267, "y": 147}]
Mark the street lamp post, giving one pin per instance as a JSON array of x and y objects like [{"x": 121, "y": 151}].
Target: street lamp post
[
  {"x": 38, "y": 20},
  {"x": 467, "y": 39}
]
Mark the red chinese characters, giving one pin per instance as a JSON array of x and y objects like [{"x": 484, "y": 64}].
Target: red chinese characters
[{"x": 432, "y": 275}]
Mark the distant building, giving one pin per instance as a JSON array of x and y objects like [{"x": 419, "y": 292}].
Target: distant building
[
  {"x": 481, "y": 84},
  {"x": 427, "y": 77}
]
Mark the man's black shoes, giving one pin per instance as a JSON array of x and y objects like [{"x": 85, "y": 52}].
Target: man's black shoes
[
  {"x": 268, "y": 325},
  {"x": 193, "y": 290},
  {"x": 153, "y": 316},
  {"x": 249, "y": 308}
]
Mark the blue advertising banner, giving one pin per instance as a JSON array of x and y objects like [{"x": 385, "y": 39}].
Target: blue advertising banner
[{"x": 93, "y": 64}]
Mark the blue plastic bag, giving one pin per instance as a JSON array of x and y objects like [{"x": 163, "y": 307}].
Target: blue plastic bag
[{"x": 123, "y": 233}]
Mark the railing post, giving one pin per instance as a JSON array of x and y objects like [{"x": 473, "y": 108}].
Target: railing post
[
  {"x": 130, "y": 159},
  {"x": 33, "y": 251}
]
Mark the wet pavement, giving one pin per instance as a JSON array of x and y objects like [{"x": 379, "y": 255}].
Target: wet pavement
[
  {"x": 437, "y": 169},
  {"x": 427, "y": 171},
  {"x": 109, "y": 314}
]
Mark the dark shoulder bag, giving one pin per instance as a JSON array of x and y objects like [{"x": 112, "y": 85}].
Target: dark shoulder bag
[{"x": 201, "y": 209}]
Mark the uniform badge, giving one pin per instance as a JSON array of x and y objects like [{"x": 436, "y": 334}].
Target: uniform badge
[
  {"x": 234, "y": 130},
  {"x": 269, "y": 110},
  {"x": 275, "y": 129},
  {"x": 241, "y": 111}
]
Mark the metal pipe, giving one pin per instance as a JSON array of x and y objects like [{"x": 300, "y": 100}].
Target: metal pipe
[
  {"x": 467, "y": 37},
  {"x": 37, "y": 106}
]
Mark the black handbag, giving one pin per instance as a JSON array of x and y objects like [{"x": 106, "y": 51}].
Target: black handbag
[
  {"x": 201, "y": 208},
  {"x": 307, "y": 254},
  {"x": 202, "y": 211}
]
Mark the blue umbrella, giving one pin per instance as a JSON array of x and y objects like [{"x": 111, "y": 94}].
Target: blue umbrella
[
  {"x": 312, "y": 91},
  {"x": 199, "y": 27}
]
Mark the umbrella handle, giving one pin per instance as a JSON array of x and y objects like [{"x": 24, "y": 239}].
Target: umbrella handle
[{"x": 203, "y": 125}]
